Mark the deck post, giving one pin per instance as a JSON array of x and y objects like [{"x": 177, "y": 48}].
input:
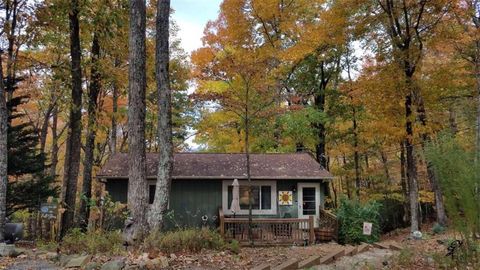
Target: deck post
[
  {"x": 311, "y": 225},
  {"x": 222, "y": 222}
]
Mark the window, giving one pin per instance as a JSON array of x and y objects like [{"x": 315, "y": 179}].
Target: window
[{"x": 263, "y": 197}]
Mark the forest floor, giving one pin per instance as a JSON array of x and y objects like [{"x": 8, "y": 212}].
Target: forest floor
[{"x": 417, "y": 254}]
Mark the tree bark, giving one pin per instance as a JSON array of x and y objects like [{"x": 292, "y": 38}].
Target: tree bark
[
  {"x": 356, "y": 154},
  {"x": 113, "y": 135},
  {"x": 3, "y": 154},
  {"x": 436, "y": 188},
  {"x": 135, "y": 226},
  {"x": 164, "y": 96},
  {"x": 95, "y": 87},
  {"x": 72, "y": 153},
  {"x": 54, "y": 155},
  {"x": 411, "y": 165}
]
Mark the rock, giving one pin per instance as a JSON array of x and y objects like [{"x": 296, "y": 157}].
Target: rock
[
  {"x": 52, "y": 256},
  {"x": 157, "y": 263},
  {"x": 79, "y": 261},
  {"x": 64, "y": 259},
  {"x": 116, "y": 264},
  {"x": 92, "y": 266},
  {"x": 7, "y": 250},
  {"x": 417, "y": 235},
  {"x": 23, "y": 256}
]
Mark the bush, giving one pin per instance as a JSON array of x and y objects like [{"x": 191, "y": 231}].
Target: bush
[
  {"x": 192, "y": 240},
  {"x": 351, "y": 215},
  {"x": 106, "y": 242},
  {"x": 438, "y": 229}
]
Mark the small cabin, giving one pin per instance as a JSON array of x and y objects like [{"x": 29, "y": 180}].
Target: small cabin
[{"x": 285, "y": 187}]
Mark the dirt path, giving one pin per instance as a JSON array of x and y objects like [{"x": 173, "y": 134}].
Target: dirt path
[
  {"x": 31, "y": 264},
  {"x": 371, "y": 259}
]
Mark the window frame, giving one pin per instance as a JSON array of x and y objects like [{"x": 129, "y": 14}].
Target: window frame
[{"x": 273, "y": 199}]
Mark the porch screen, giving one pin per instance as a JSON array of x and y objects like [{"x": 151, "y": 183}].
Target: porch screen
[{"x": 261, "y": 197}]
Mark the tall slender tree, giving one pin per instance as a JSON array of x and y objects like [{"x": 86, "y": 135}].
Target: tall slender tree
[
  {"x": 164, "y": 95},
  {"x": 137, "y": 183},
  {"x": 3, "y": 153},
  {"x": 93, "y": 92},
  {"x": 72, "y": 154}
]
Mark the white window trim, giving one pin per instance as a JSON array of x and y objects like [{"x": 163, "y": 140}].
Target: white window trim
[{"x": 272, "y": 184}]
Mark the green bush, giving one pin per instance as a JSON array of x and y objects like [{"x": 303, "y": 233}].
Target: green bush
[
  {"x": 351, "y": 215},
  {"x": 95, "y": 242},
  {"x": 438, "y": 229},
  {"x": 192, "y": 240},
  {"x": 458, "y": 173}
]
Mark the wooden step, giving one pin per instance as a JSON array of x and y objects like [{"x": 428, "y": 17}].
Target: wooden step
[
  {"x": 381, "y": 245},
  {"x": 265, "y": 266},
  {"x": 362, "y": 248},
  {"x": 313, "y": 260},
  {"x": 290, "y": 264},
  {"x": 330, "y": 257},
  {"x": 395, "y": 246},
  {"x": 350, "y": 251}
]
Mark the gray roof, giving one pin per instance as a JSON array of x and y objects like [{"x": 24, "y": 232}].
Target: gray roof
[{"x": 224, "y": 166}]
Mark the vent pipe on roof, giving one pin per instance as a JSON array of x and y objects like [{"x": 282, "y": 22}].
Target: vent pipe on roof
[{"x": 300, "y": 148}]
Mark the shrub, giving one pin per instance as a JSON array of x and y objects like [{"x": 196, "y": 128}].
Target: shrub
[
  {"x": 192, "y": 240},
  {"x": 107, "y": 242},
  {"x": 458, "y": 174},
  {"x": 438, "y": 228},
  {"x": 351, "y": 215}
]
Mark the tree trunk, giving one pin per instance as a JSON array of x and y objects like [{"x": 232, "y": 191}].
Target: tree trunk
[
  {"x": 72, "y": 152},
  {"x": 411, "y": 165},
  {"x": 164, "y": 96},
  {"x": 113, "y": 135},
  {"x": 135, "y": 227},
  {"x": 356, "y": 154},
  {"x": 320, "y": 146},
  {"x": 437, "y": 190},
  {"x": 403, "y": 176},
  {"x": 3, "y": 154},
  {"x": 54, "y": 155},
  {"x": 95, "y": 86}
]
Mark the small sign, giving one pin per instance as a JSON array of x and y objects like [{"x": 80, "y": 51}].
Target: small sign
[
  {"x": 367, "y": 228},
  {"x": 49, "y": 210}
]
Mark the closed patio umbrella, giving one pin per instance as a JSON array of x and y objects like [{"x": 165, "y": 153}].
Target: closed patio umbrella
[{"x": 235, "y": 206}]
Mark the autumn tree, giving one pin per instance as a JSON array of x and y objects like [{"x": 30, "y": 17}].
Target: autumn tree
[{"x": 408, "y": 26}]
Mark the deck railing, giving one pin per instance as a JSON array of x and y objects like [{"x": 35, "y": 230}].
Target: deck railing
[
  {"x": 328, "y": 225},
  {"x": 268, "y": 231}
]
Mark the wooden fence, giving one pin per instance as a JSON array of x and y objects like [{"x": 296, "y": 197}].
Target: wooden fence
[{"x": 268, "y": 231}]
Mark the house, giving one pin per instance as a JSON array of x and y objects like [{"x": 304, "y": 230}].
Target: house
[{"x": 284, "y": 186}]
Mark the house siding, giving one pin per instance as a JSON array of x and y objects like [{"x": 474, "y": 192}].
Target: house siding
[{"x": 192, "y": 199}]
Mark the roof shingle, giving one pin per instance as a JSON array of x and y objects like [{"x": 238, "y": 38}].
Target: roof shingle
[{"x": 224, "y": 166}]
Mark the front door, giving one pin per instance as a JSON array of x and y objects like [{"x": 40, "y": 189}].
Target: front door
[{"x": 309, "y": 200}]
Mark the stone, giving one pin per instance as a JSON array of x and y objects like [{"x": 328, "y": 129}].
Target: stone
[
  {"x": 78, "y": 261},
  {"x": 92, "y": 266},
  {"x": 116, "y": 264},
  {"x": 7, "y": 250},
  {"x": 64, "y": 259},
  {"x": 52, "y": 256},
  {"x": 157, "y": 263},
  {"x": 173, "y": 256}
]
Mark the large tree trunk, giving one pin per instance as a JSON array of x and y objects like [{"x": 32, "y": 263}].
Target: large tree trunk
[
  {"x": 3, "y": 153},
  {"x": 164, "y": 96},
  {"x": 411, "y": 165},
  {"x": 93, "y": 93},
  {"x": 321, "y": 135},
  {"x": 135, "y": 227},
  {"x": 437, "y": 190},
  {"x": 404, "y": 183},
  {"x": 72, "y": 153}
]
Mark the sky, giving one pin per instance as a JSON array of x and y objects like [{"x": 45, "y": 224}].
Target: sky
[{"x": 192, "y": 16}]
